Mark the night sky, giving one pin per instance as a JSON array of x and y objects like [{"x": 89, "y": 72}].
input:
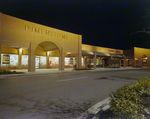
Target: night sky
[{"x": 119, "y": 24}]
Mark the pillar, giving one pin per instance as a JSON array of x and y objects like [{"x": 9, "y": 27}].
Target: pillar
[
  {"x": 134, "y": 62},
  {"x": 1, "y": 28},
  {"x": 61, "y": 60},
  {"x": 20, "y": 57},
  {"x": 79, "y": 54},
  {"x": 120, "y": 62},
  {"x": 103, "y": 62},
  {"x": 47, "y": 54},
  {"x": 124, "y": 62},
  {"x": 0, "y": 56},
  {"x": 94, "y": 61},
  {"x": 148, "y": 61},
  {"x": 140, "y": 61},
  {"x": 84, "y": 61},
  {"x": 31, "y": 58}
]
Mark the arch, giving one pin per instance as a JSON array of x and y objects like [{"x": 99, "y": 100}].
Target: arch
[{"x": 47, "y": 55}]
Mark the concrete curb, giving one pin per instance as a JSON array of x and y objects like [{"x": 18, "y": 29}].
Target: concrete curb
[
  {"x": 29, "y": 74},
  {"x": 92, "y": 111}
]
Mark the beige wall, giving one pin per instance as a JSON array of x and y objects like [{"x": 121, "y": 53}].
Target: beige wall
[
  {"x": 101, "y": 49},
  {"x": 18, "y": 33},
  {"x": 139, "y": 52}
]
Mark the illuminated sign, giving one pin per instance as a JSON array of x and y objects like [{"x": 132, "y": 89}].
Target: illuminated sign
[
  {"x": 117, "y": 51},
  {"x": 114, "y": 51},
  {"x": 45, "y": 32},
  {"x": 111, "y": 50}
]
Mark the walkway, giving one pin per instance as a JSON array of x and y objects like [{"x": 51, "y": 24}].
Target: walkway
[{"x": 41, "y": 71}]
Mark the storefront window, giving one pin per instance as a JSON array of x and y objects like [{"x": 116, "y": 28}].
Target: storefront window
[
  {"x": 53, "y": 61},
  {"x": 70, "y": 61},
  {"x": 42, "y": 60},
  {"x": 82, "y": 61},
  {"x": 92, "y": 62},
  {"x": 24, "y": 60},
  {"x": 9, "y": 59}
]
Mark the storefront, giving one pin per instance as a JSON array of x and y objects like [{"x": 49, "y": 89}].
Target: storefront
[
  {"x": 139, "y": 57},
  {"x": 29, "y": 45}
]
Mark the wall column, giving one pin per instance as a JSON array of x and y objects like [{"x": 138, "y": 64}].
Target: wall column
[
  {"x": 61, "y": 60},
  {"x": 20, "y": 57},
  {"x": 47, "y": 54},
  {"x": 94, "y": 60},
  {"x": 140, "y": 61},
  {"x": 124, "y": 62},
  {"x": 31, "y": 58},
  {"x": 103, "y": 63},
  {"x": 148, "y": 61},
  {"x": 79, "y": 54},
  {"x": 1, "y": 28},
  {"x": 134, "y": 62},
  {"x": 0, "y": 56},
  {"x": 120, "y": 62}
]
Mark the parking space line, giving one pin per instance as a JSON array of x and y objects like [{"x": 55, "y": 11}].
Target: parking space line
[{"x": 71, "y": 79}]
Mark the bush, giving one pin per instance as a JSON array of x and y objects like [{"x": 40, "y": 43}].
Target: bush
[
  {"x": 126, "y": 101},
  {"x": 4, "y": 71},
  {"x": 113, "y": 63},
  {"x": 112, "y": 66}
]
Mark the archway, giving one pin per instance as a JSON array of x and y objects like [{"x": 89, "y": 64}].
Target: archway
[{"x": 47, "y": 55}]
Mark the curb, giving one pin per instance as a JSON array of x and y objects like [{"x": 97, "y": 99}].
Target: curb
[
  {"x": 95, "y": 109},
  {"x": 2, "y": 76}
]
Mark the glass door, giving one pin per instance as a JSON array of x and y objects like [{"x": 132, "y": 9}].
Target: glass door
[{"x": 37, "y": 62}]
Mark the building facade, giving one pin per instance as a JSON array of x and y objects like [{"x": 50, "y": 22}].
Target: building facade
[
  {"x": 138, "y": 57},
  {"x": 28, "y": 45}
]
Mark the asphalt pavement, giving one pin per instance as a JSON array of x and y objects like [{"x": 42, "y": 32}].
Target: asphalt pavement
[{"x": 60, "y": 95}]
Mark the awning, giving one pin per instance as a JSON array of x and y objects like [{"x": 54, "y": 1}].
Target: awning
[{"x": 100, "y": 54}]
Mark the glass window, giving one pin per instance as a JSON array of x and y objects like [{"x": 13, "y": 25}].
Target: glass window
[
  {"x": 82, "y": 61},
  {"x": 53, "y": 61},
  {"x": 5, "y": 59},
  {"x": 13, "y": 60},
  {"x": 9, "y": 59},
  {"x": 97, "y": 61},
  {"x": 24, "y": 60},
  {"x": 70, "y": 61},
  {"x": 42, "y": 60}
]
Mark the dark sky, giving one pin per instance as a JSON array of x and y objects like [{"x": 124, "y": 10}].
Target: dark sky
[{"x": 107, "y": 23}]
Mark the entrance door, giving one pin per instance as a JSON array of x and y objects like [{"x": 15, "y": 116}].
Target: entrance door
[{"x": 37, "y": 62}]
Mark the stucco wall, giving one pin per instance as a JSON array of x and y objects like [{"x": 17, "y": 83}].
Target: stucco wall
[
  {"x": 139, "y": 52},
  {"x": 19, "y": 33},
  {"x": 101, "y": 49}
]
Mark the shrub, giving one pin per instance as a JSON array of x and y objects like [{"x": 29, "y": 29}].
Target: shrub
[
  {"x": 4, "y": 71},
  {"x": 142, "y": 86},
  {"x": 126, "y": 101},
  {"x": 113, "y": 63}
]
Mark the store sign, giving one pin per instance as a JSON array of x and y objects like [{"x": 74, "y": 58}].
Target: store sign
[
  {"x": 45, "y": 32},
  {"x": 111, "y": 51},
  {"x": 6, "y": 59},
  {"x": 115, "y": 51}
]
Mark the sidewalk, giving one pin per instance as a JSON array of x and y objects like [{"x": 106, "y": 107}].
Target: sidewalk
[{"x": 67, "y": 70}]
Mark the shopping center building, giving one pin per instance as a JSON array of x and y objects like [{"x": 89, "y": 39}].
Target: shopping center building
[{"x": 28, "y": 45}]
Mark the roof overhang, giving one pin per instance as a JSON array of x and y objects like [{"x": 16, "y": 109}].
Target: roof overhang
[{"x": 100, "y": 54}]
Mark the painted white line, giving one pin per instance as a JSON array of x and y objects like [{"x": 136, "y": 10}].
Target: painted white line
[{"x": 71, "y": 79}]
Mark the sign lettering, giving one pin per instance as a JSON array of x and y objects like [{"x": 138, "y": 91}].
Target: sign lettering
[{"x": 45, "y": 32}]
